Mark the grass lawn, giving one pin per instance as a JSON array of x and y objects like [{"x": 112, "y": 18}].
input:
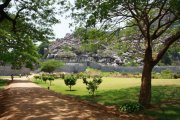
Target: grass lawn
[
  {"x": 8, "y": 77},
  {"x": 108, "y": 83},
  {"x": 2, "y": 83},
  {"x": 116, "y": 91}
]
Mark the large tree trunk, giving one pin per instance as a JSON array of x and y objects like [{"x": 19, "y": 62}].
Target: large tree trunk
[{"x": 145, "y": 90}]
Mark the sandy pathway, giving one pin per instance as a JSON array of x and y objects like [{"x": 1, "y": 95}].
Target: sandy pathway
[{"x": 24, "y": 100}]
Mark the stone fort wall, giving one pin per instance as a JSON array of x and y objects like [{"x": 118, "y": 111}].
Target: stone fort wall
[
  {"x": 80, "y": 67},
  {"x": 6, "y": 71}
]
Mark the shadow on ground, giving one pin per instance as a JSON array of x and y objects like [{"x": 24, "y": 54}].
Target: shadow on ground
[{"x": 35, "y": 103}]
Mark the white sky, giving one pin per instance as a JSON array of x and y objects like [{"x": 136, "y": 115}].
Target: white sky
[{"x": 62, "y": 28}]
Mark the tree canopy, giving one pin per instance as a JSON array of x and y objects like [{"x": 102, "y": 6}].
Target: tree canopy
[
  {"x": 50, "y": 65},
  {"x": 40, "y": 15},
  {"x": 156, "y": 23},
  {"x": 22, "y": 23},
  {"x": 16, "y": 49}
]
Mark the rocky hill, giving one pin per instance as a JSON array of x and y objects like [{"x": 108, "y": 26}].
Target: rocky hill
[{"x": 68, "y": 49}]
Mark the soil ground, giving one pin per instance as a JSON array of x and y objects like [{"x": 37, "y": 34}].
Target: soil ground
[{"x": 24, "y": 100}]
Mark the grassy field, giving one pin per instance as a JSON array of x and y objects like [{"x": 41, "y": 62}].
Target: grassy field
[
  {"x": 2, "y": 83},
  {"x": 108, "y": 83},
  {"x": 8, "y": 77},
  {"x": 116, "y": 91}
]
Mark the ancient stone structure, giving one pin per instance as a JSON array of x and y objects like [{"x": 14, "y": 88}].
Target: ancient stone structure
[
  {"x": 7, "y": 71},
  {"x": 80, "y": 67}
]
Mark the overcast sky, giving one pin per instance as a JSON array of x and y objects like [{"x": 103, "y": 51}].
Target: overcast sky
[{"x": 62, "y": 28}]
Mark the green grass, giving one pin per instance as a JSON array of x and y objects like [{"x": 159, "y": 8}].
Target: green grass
[
  {"x": 2, "y": 83},
  {"x": 8, "y": 77},
  {"x": 167, "y": 112},
  {"x": 108, "y": 83},
  {"x": 116, "y": 91}
]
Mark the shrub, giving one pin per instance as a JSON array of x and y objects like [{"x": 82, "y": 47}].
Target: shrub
[
  {"x": 80, "y": 75},
  {"x": 44, "y": 78},
  {"x": 62, "y": 75},
  {"x": 92, "y": 85},
  {"x": 70, "y": 80},
  {"x": 124, "y": 74},
  {"x": 131, "y": 107},
  {"x": 166, "y": 74},
  {"x": 156, "y": 75},
  {"x": 55, "y": 76},
  {"x": 50, "y": 78},
  {"x": 106, "y": 74},
  {"x": 137, "y": 75},
  {"x": 50, "y": 65},
  {"x": 177, "y": 75},
  {"x": 36, "y": 77}
]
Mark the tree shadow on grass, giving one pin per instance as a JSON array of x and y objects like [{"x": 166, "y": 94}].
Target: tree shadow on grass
[
  {"x": 114, "y": 97},
  {"x": 167, "y": 112},
  {"x": 159, "y": 94},
  {"x": 71, "y": 90},
  {"x": 3, "y": 82}
]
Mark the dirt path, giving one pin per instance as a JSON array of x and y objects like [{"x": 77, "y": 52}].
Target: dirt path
[{"x": 24, "y": 100}]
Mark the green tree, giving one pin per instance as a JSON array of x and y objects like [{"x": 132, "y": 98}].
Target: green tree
[
  {"x": 41, "y": 48},
  {"x": 166, "y": 60},
  {"x": 41, "y": 14},
  {"x": 70, "y": 80},
  {"x": 22, "y": 23},
  {"x": 172, "y": 55},
  {"x": 156, "y": 20},
  {"x": 51, "y": 78},
  {"x": 50, "y": 65},
  {"x": 16, "y": 50}
]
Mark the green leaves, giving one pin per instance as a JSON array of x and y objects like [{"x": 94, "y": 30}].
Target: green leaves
[
  {"x": 31, "y": 22},
  {"x": 70, "y": 80},
  {"x": 16, "y": 49},
  {"x": 175, "y": 5},
  {"x": 92, "y": 85},
  {"x": 131, "y": 107}
]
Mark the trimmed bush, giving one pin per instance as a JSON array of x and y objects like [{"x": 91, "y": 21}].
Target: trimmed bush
[
  {"x": 45, "y": 78},
  {"x": 70, "y": 80},
  {"x": 156, "y": 75},
  {"x": 167, "y": 74},
  {"x": 36, "y": 77},
  {"x": 62, "y": 75},
  {"x": 50, "y": 78}
]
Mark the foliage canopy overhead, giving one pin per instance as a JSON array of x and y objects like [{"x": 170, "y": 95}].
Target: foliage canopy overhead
[
  {"x": 23, "y": 22},
  {"x": 157, "y": 21}
]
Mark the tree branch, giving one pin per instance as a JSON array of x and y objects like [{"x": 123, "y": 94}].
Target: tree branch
[
  {"x": 137, "y": 20},
  {"x": 2, "y": 6},
  {"x": 156, "y": 34},
  {"x": 5, "y": 4},
  {"x": 159, "y": 14},
  {"x": 169, "y": 41}
]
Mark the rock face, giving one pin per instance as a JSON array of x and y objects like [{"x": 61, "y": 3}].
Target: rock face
[{"x": 68, "y": 49}]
